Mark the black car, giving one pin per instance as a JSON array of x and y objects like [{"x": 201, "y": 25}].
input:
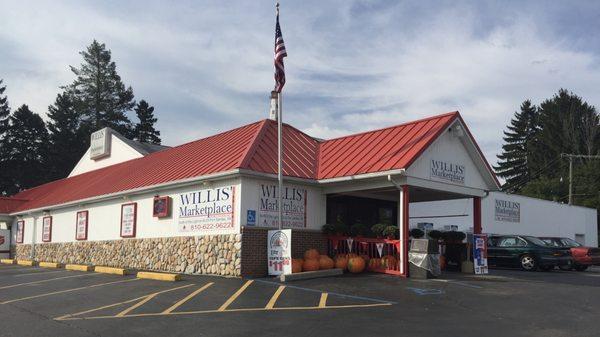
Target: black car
[{"x": 526, "y": 252}]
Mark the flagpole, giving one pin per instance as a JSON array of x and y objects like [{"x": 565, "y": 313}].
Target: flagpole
[
  {"x": 280, "y": 157},
  {"x": 279, "y": 135}
]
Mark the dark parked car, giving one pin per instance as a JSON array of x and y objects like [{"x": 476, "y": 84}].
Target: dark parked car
[
  {"x": 583, "y": 257},
  {"x": 526, "y": 252}
]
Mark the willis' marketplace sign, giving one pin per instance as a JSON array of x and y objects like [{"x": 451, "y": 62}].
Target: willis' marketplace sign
[
  {"x": 450, "y": 172},
  {"x": 206, "y": 210},
  {"x": 294, "y": 206}
]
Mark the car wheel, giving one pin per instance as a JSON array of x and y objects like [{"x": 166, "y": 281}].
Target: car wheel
[
  {"x": 528, "y": 263},
  {"x": 580, "y": 267},
  {"x": 546, "y": 268}
]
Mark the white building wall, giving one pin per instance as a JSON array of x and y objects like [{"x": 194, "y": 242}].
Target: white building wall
[
  {"x": 315, "y": 202},
  {"x": 537, "y": 217},
  {"x": 450, "y": 149},
  {"x": 104, "y": 218},
  {"x": 119, "y": 152}
]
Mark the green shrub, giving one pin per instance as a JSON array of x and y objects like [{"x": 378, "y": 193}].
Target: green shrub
[
  {"x": 416, "y": 233},
  {"x": 328, "y": 229},
  {"x": 391, "y": 232},
  {"x": 378, "y": 229},
  {"x": 341, "y": 229},
  {"x": 435, "y": 234},
  {"x": 359, "y": 229}
]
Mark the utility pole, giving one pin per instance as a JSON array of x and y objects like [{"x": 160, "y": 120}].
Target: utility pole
[{"x": 571, "y": 156}]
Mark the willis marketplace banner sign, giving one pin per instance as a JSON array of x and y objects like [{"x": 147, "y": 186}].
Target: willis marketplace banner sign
[
  {"x": 206, "y": 210},
  {"x": 294, "y": 206}
]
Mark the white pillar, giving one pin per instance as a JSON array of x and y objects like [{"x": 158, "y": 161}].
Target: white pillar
[{"x": 403, "y": 218}]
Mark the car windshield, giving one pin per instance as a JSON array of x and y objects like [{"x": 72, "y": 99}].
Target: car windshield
[
  {"x": 536, "y": 241},
  {"x": 570, "y": 242}
]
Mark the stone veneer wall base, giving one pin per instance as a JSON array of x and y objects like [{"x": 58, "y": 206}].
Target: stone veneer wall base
[{"x": 210, "y": 254}]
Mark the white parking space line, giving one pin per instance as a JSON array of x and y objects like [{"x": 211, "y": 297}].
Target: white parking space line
[
  {"x": 457, "y": 283},
  {"x": 46, "y": 280},
  {"x": 41, "y": 273}
]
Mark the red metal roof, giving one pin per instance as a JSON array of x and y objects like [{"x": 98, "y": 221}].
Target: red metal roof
[
  {"x": 299, "y": 155},
  {"x": 251, "y": 147},
  {"x": 386, "y": 149},
  {"x": 219, "y": 153},
  {"x": 9, "y": 204}
]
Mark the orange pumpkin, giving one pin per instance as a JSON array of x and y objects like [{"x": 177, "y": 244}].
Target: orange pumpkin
[
  {"x": 388, "y": 262},
  {"x": 374, "y": 264},
  {"x": 311, "y": 254},
  {"x": 337, "y": 256},
  {"x": 297, "y": 265},
  {"x": 341, "y": 262},
  {"x": 310, "y": 265},
  {"x": 325, "y": 262},
  {"x": 356, "y": 265},
  {"x": 366, "y": 258}
]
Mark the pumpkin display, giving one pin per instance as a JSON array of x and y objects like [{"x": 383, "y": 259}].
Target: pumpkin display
[
  {"x": 356, "y": 265},
  {"x": 337, "y": 256},
  {"x": 341, "y": 262},
  {"x": 374, "y": 263},
  {"x": 388, "y": 262},
  {"x": 297, "y": 265},
  {"x": 310, "y": 265},
  {"x": 325, "y": 262},
  {"x": 366, "y": 258},
  {"x": 311, "y": 254}
]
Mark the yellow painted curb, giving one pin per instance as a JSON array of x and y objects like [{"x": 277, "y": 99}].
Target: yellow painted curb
[
  {"x": 158, "y": 276},
  {"x": 26, "y": 263},
  {"x": 112, "y": 270},
  {"x": 78, "y": 267},
  {"x": 50, "y": 265},
  {"x": 7, "y": 261}
]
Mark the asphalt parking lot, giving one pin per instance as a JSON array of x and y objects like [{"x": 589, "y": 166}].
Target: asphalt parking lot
[{"x": 52, "y": 302}]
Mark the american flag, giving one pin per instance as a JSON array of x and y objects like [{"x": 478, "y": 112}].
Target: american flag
[{"x": 280, "y": 53}]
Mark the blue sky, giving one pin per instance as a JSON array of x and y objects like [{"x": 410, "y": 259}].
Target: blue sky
[{"x": 207, "y": 66}]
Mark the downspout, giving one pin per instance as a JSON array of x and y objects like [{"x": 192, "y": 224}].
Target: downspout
[{"x": 391, "y": 179}]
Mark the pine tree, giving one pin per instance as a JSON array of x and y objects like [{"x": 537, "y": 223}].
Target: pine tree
[
  {"x": 514, "y": 162},
  {"x": 567, "y": 124},
  {"x": 99, "y": 94},
  {"x": 4, "y": 114},
  {"x": 27, "y": 151},
  {"x": 4, "y": 110},
  {"x": 144, "y": 130},
  {"x": 67, "y": 139}
]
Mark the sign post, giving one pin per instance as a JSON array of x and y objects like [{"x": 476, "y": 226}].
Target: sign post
[
  {"x": 279, "y": 251},
  {"x": 480, "y": 253}
]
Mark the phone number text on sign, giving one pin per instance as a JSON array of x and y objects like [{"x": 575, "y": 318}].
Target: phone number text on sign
[{"x": 206, "y": 210}]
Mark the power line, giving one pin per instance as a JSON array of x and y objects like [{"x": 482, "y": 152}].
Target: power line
[
  {"x": 571, "y": 156},
  {"x": 532, "y": 176}
]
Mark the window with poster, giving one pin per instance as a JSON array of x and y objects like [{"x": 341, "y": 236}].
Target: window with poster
[
  {"x": 81, "y": 225},
  {"x": 161, "y": 207},
  {"x": 20, "y": 231},
  {"x": 47, "y": 229},
  {"x": 128, "y": 220}
]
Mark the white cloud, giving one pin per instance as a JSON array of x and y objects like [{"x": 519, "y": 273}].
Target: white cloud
[{"x": 351, "y": 66}]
